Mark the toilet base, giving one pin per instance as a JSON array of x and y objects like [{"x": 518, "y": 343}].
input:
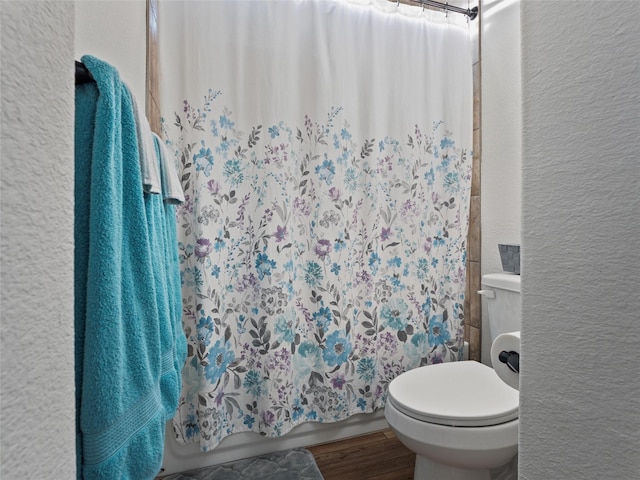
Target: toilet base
[{"x": 429, "y": 470}]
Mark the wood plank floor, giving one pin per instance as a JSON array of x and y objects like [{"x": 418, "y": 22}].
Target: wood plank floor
[{"x": 376, "y": 456}]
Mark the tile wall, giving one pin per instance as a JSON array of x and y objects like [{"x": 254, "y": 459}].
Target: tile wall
[
  {"x": 153, "y": 74},
  {"x": 473, "y": 302}
]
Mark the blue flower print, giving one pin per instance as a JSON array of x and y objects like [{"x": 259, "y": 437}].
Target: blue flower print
[
  {"x": 322, "y": 318},
  {"x": 336, "y": 142},
  {"x": 395, "y": 313},
  {"x": 335, "y": 269},
  {"x": 326, "y": 171},
  {"x": 264, "y": 265},
  {"x": 452, "y": 182},
  {"x": 205, "y": 330},
  {"x": 419, "y": 340},
  {"x": 203, "y": 160},
  {"x": 446, "y": 143},
  {"x": 285, "y": 326},
  {"x": 220, "y": 357},
  {"x": 254, "y": 383},
  {"x": 344, "y": 133},
  {"x": 226, "y": 123},
  {"x": 305, "y": 360},
  {"x": 362, "y": 404},
  {"x": 351, "y": 179},
  {"x": 337, "y": 349},
  {"x": 249, "y": 420},
  {"x": 430, "y": 177},
  {"x": 191, "y": 426},
  {"x": 233, "y": 172},
  {"x": 313, "y": 274},
  {"x": 274, "y": 131},
  {"x": 374, "y": 262},
  {"x": 438, "y": 332},
  {"x": 297, "y": 410},
  {"x": 219, "y": 243},
  {"x": 215, "y": 271},
  {"x": 308, "y": 350},
  {"x": 367, "y": 369},
  {"x": 394, "y": 262}
]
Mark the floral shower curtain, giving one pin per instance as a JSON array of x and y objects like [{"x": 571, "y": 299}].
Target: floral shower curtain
[{"x": 325, "y": 150}]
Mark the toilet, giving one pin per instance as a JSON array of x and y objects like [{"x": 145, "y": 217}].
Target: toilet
[{"x": 460, "y": 418}]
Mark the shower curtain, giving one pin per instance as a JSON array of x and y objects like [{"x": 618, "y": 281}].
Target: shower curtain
[{"x": 325, "y": 155}]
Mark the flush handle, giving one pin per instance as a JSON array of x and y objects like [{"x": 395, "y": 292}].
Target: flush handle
[
  {"x": 487, "y": 293},
  {"x": 512, "y": 359}
]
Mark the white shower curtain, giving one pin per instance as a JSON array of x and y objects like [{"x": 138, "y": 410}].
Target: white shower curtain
[{"x": 325, "y": 151}]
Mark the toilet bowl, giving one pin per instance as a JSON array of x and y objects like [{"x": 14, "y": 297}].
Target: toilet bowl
[{"x": 460, "y": 418}]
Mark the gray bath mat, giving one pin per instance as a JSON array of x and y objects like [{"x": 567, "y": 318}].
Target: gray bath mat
[{"x": 296, "y": 464}]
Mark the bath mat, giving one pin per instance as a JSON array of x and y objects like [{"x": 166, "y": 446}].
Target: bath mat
[{"x": 296, "y": 464}]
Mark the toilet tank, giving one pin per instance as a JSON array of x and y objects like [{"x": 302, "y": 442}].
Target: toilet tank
[{"x": 501, "y": 292}]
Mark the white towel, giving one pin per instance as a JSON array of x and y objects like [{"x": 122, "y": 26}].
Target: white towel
[
  {"x": 171, "y": 187},
  {"x": 148, "y": 161}
]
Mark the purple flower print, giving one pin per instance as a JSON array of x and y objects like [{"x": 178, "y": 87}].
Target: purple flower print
[
  {"x": 428, "y": 244},
  {"x": 338, "y": 381},
  {"x": 301, "y": 207},
  {"x": 247, "y": 281},
  {"x": 268, "y": 417},
  {"x": 219, "y": 398},
  {"x": 408, "y": 208},
  {"x": 385, "y": 234},
  {"x": 202, "y": 248},
  {"x": 363, "y": 277},
  {"x": 323, "y": 248},
  {"x": 335, "y": 194},
  {"x": 213, "y": 187},
  {"x": 281, "y": 233}
]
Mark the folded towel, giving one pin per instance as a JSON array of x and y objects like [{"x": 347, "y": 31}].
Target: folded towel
[
  {"x": 148, "y": 162},
  {"x": 171, "y": 186},
  {"x": 119, "y": 354}
]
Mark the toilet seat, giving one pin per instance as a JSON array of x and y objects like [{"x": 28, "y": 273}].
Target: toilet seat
[{"x": 461, "y": 394}]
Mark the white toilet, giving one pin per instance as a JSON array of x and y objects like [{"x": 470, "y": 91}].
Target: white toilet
[{"x": 460, "y": 418}]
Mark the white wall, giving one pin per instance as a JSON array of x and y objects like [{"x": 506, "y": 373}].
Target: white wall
[
  {"x": 37, "y": 430},
  {"x": 115, "y": 31},
  {"x": 501, "y": 138},
  {"x": 580, "y": 384}
]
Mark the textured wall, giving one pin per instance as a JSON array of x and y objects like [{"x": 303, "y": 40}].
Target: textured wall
[
  {"x": 580, "y": 388},
  {"x": 36, "y": 197},
  {"x": 501, "y": 137}
]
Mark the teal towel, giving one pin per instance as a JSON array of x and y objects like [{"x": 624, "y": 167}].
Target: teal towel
[
  {"x": 164, "y": 250},
  {"x": 172, "y": 195},
  {"x": 127, "y": 347}
]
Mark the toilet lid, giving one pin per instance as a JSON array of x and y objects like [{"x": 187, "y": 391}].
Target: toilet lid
[{"x": 467, "y": 393}]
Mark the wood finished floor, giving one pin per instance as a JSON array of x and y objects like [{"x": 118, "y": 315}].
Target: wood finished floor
[{"x": 376, "y": 456}]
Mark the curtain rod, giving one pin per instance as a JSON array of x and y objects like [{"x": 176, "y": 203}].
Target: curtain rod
[{"x": 472, "y": 13}]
